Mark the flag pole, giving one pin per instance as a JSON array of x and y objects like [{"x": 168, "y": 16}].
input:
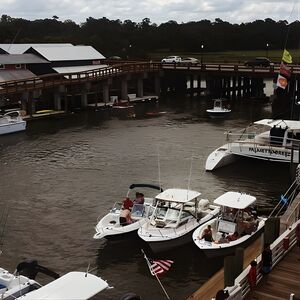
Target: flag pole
[{"x": 149, "y": 266}]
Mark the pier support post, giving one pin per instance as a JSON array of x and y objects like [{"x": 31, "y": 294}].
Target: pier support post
[
  {"x": 24, "y": 99},
  {"x": 239, "y": 261},
  {"x": 157, "y": 84},
  {"x": 124, "y": 88},
  {"x": 272, "y": 229},
  {"x": 30, "y": 108},
  {"x": 57, "y": 97},
  {"x": 84, "y": 95},
  {"x": 229, "y": 271},
  {"x": 105, "y": 91},
  {"x": 140, "y": 87}
]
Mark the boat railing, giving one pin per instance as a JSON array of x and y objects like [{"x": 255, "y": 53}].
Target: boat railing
[
  {"x": 271, "y": 141},
  {"x": 279, "y": 248}
]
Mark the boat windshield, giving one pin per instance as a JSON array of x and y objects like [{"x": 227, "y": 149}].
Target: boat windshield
[{"x": 137, "y": 210}]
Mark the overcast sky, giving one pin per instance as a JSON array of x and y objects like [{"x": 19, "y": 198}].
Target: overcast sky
[{"x": 158, "y": 11}]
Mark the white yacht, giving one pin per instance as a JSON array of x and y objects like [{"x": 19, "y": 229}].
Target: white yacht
[
  {"x": 109, "y": 226},
  {"x": 267, "y": 139},
  {"x": 219, "y": 109},
  {"x": 71, "y": 286},
  {"x": 177, "y": 213},
  {"x": 11, "y": 122},
  {"x": 236, "y": 226}
]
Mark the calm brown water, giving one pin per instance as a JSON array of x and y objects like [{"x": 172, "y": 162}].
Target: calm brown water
[{"x": 60, "y": 175}]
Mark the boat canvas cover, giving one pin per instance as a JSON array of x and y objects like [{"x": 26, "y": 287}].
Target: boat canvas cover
[
  {"x": 235, "y": 200},
  {"x": 178, "y": 195},
  {"x": 292, "y": 124},
  {"x": 71, "y": 286}
]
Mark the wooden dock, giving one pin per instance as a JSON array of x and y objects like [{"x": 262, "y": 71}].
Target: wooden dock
[
  {"x": 282, "y": 281},
  {"x": 208, "y": 289}
]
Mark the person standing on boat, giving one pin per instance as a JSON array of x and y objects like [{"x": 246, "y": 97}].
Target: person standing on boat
[{"x": 125, "y": 214}]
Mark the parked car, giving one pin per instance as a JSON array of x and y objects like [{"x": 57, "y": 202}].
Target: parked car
[
  {"x": 171, "y": 59},
  {"x": 258, "y": 62},
  {"x": 189, "y": 60}
]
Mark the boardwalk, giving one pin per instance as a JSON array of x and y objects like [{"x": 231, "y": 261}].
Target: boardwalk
[
  {"x": 282, "y": 281},
  {"x": 208, "y": 289}
]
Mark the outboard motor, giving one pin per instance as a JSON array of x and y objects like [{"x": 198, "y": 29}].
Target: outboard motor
[{"x": 30, "y": 268}]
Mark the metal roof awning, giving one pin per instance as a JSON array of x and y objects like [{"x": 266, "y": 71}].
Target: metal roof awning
[
  {"x": 28, "y": 58},
  {"x": 178, "y": 195},
  {"x": 77, "y": 69},
  {"x": 235, "y": 200},
  {"x": 8, "y": 75}
]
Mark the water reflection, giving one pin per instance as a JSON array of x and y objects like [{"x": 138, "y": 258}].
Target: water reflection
[{"x": 61, "y": 174}]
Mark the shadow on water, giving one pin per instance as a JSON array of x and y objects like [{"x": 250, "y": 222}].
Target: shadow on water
[
  {"x": 237, "y": 176},
  {"x": 189, "y": 270}
]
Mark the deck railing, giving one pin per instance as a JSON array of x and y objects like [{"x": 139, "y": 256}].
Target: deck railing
[
  {"x": 279, "y": 249},
  {"x": 48, "y": 81}
]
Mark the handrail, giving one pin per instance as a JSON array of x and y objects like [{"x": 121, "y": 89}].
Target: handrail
[
  {"x": 44, "y": 81},
  {"x": 241, "y": 286},
  {"x": 292, "y": 212}
]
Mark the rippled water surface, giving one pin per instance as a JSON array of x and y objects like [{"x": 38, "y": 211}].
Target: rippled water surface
[{"x": 60, "y": 175}]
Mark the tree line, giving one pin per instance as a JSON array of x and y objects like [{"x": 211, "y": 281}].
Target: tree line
[{"x": 138, "y": 40}]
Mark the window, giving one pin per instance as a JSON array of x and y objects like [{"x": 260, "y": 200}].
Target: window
[
  {"x": 2, "y": 66},
  {"x": 18, "y": 66}
]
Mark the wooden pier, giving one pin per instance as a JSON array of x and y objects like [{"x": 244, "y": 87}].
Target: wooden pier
[
  {"x": 283, "y": 281},
  {"x": 284, "y": 278},
  {"x": 209, "y": 289}
]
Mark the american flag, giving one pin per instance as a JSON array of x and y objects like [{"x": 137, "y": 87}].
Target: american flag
[{"x": 159, "y": 267}]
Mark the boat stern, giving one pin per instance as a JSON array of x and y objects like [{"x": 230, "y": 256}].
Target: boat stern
[{"x": 219, "y": 158}]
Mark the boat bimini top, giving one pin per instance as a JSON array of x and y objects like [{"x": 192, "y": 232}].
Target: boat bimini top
[
  {"x": 178, "y": 195},
  {"x": 235, "y": 200},
  {"x": 291, "y": 124}
]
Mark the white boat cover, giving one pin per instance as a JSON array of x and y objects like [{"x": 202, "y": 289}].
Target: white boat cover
[
  {"x": 178, "y": 195},
  {"x": 292, "y": 124},
  {"x": 235, "y": 200},
  {"x": 71, "y": 286}
]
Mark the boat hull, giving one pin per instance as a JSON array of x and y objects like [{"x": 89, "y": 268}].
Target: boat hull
[
  {"x": 12, "y": 127},
  {"x": 165, "y": 239},
  {"x": 214, "y": 250},
  {"x": 166, "y": 245},
  {"x": 231, "y": 250},
  {"x": 221, "y": 157},
  {"x": 218, "y": 113}
]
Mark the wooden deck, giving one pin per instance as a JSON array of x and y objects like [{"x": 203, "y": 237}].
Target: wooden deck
[
  {"x": 208, "y": 289},
  {"x": 283, "y": 280}
]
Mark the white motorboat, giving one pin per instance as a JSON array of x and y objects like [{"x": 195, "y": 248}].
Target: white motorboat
[
  {"x": 11, "y": 122},
  {"x": 219, "y": 109},
  {"x": 236, "y": 226},
  {"x": 109, "y": 226},
  {"x": 71, "y": 286},
  {"x": 177, "y": 213},
  {"x": 267, "y": 139}
]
